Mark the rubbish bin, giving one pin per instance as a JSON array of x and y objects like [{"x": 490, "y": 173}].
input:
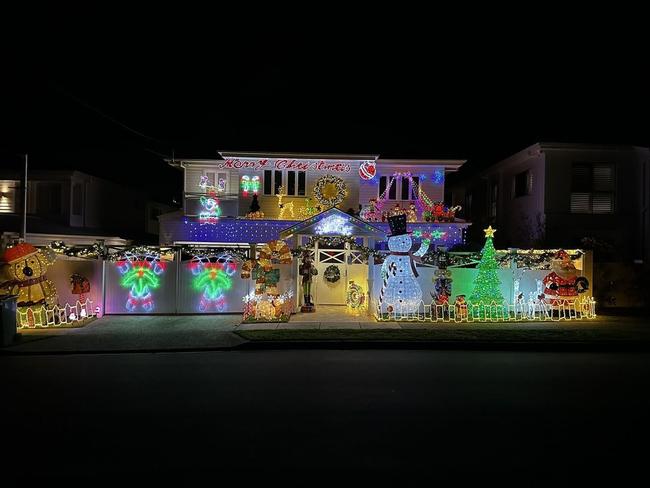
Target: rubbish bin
[{"x": 7, "y": 319}]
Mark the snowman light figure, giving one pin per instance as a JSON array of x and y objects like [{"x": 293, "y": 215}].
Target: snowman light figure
[{"x": 403, "y": 293}]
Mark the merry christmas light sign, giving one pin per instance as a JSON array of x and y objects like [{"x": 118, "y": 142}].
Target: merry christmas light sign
[{"x": 256, "y": 164}]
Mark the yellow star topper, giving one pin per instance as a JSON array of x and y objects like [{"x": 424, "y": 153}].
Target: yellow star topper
[{"x": 489, "y": 232}]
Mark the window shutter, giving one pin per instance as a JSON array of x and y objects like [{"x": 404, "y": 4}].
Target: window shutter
[
  {"x": 603, "y": 177},
  {"x": 580, "y": 202},
  {"x": 603, "y": 203},
  {"x": 581, "y": 178}
]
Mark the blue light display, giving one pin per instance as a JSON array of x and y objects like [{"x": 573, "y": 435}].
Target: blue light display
[
  {"x": 231, "y": 230},
  {"x": 439, "y": 177}
]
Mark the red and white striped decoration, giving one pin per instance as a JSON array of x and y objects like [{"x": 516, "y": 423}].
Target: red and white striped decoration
[{"x": 392, "y": 268}]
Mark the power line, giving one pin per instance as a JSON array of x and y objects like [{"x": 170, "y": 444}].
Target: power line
[{"x": 117, "y": 122}]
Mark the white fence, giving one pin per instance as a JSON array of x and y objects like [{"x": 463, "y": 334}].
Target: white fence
[
  {"x": 56, "y": 316},
  {"x": 521, "y": 310}
]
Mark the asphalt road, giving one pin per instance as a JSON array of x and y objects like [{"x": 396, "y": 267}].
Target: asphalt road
[{"x": 431, "y": 413}]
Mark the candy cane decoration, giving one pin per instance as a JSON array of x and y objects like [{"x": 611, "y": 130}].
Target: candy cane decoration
[{"x": 392, "y": 268}]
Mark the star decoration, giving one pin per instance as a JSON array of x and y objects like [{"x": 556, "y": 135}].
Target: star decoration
[{"x": 489, "y": 232}]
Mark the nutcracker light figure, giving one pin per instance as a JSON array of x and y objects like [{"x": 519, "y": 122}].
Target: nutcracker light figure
[{"x": 307, "y": 270}]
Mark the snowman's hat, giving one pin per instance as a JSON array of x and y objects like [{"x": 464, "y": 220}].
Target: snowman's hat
[{"x": 397, "y": 225}]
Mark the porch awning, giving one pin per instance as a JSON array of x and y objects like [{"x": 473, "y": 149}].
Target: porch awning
[{"x": 333, "y": 222}]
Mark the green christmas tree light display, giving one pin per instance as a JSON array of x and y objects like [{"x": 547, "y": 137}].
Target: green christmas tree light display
[{"x": 487, "y": 283}]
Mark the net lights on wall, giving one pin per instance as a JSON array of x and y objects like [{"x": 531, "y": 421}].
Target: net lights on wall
[
  {"x": 334, "y": 224},
  {"x": 234, "y": 230}
]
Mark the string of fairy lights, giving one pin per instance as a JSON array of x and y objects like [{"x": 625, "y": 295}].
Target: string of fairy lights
[{"x": 531, "y": 259}]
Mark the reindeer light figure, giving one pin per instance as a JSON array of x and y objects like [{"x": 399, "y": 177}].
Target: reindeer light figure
[{"x": 284, "y": 206}]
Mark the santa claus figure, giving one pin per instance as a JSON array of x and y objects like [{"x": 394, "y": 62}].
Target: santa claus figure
[{"x": 563, "y": 282}]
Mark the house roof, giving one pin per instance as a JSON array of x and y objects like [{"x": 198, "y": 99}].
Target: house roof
[
  {"x": 310, "y": 226},
  {"x": 278, "y": 155},
  {"x": 449, "y": 164}
]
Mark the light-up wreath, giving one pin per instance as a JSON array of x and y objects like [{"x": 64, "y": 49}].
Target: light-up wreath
[
  {"x": 332, "y": 274},
  {"x": 330, "y": 190}
]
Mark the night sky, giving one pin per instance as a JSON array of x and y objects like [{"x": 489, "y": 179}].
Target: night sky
[{"x": 115, "y": 105}]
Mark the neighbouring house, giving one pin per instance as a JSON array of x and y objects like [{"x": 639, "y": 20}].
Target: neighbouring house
[
  {"x": 74, "y": 206},
  {"x": 568, "y": 195}
]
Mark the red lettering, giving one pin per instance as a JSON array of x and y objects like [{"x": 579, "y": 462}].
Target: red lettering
[{"x": 289, "y": 164}]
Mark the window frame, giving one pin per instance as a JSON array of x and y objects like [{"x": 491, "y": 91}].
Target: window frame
[
  {"x": 587, "y": 188},
  {"x": 528, "y": 184},
  {"x": 77, "y": 199}
]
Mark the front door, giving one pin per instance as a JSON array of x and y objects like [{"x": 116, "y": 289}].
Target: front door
[{"x": 331, "y": 278}]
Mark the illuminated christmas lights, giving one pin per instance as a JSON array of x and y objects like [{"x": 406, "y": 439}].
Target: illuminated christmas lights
[
  {"x": 140, "y": 274},
  {"x": 355, "y": 298},
  {"x": 330, "y": 190},
  {"x": 487, "y": 283},
  {"x": 212, "y": 277},
  {"x": 334, "y": 224},
  {"x": 367, "y": 170},
  {"x": 250, "y": 184},
  {"x": 284, "y": 207},
  {"x": 402, "y": 292},
  {"x": 439, "y": 176}
]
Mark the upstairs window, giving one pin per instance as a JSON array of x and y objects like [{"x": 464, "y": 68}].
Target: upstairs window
[
  {"x": 407, "y": 191},
  {"x": 277, "y": 182},
  {"x": 48, "y": 198},
  {"x": 77, "y": 199},
  {"x": 523, "y": 184},
  {"x": 301, "y": 183},
  {"x": 295, "y": 188},
  {"x": 383, "y": 183},
  {"x": 593, "y": 188},
  {"x": 494, "y": 198},
  {"x": 268, "y": 182},
  {"x": 468, "y": 204}
]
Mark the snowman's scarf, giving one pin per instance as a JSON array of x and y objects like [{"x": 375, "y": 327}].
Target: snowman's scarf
[{"x": 411, "y": 259}]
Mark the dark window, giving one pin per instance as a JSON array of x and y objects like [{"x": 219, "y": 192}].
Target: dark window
[
  {"x": 301, "y": 183},
  {"x": 383, "y": 182},
  {"x": 406, "y": 189},
  {"x": 77, "y": 199},
  {"x": 592, "y": 188},
  {"x": 56, "y": 199},
  {"x": 468, "y": 204},
  {"x": 416, "y": 186},
  {"x": 382, "y": 185},
  {"x": 523, "y": 184},
  {"x": 291, "y": 182},
  {"x": 277, "y": 182},
  {"x": 392, "y": 192},
  {"x": 49, "y": 198},
  {"x": 268, "y": 181},
  {"x": 494, "y": 198}
]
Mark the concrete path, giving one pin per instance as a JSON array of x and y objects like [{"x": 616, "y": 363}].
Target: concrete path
[{"x": 134, "y": 333}]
